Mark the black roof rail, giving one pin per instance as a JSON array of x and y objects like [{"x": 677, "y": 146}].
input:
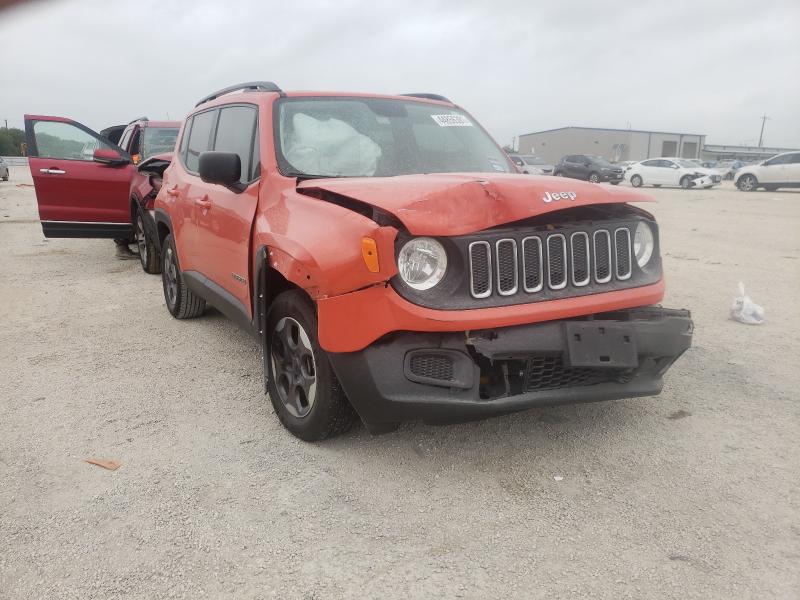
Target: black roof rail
[
  {"x": 427, "y": 96},
  {"x": 260, "y": 86},
  {"x": 139, "y": 119}
]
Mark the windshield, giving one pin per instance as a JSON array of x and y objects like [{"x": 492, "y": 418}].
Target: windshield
[
  {"x": 600, "y": 161},
  {"x": 376, "y": 137},
  {"x": 158, "y": 140},
  {"x": 533, "y": 160},
  {"x": 689, "y": 164}
]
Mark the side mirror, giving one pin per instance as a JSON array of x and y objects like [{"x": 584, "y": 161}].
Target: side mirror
[
  {"x": 107, "y": 156},
  {"x": 673, "y": 166},
  {"x": 223, "y": 168}
]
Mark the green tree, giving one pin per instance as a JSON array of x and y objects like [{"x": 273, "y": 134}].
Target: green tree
[{"x": 11, "y": 141}]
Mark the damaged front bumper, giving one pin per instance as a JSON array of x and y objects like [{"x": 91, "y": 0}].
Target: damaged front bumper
[{"x": 451, "y": 377}]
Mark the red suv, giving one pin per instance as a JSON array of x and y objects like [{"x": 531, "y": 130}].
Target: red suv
[
  {"x": 100, "y": 185},
  {"x": 393, "y": 265}
]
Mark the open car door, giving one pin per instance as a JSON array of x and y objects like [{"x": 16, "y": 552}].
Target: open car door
[{"x": 82, "y": 179}]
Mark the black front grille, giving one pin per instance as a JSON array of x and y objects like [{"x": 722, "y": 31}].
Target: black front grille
[
  {"x": 506, "y": 266},
  {"x": 532, "y": 265},
  {"x": 432, "y": 366},
  {"x": 602, "y": 256},
  {"x": 556, "y": 261},
  {"x": 622, "y": 252},
  {"x": 480, "y": 269},
  {"x": 550, "y": 372}
]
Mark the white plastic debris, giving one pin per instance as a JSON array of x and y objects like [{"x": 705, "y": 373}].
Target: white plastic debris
[
  {"x": 330, "y": 147},
  {"x": 745, "y": 310},
  {"x": 558, "y": 477}
]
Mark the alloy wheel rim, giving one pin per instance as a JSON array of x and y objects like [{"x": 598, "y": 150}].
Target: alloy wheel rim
[
  {"x": 594, "y": 179},
  {"x": 294, "y": 368},
  {"x": 171, "y": 277},
  {"x": 140, "y": 239},
  {"x": 747, "y": 184}
]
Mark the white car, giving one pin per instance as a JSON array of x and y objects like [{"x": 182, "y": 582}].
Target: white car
[
  {"x": 672, "y": 171},
  {"x": 531, "y": 165},
  {"x": 782, "y": 170}
]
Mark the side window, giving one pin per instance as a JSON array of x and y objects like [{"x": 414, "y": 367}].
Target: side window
[
  {"x": 794, "y": 159},
  {"x": 236, "y": 129},
  {"x": 650, "y": 163},
  {"x": 136, "y": 142},
  {"x": 199, "y": 138},
  {"x": 187, "y": 128},
  {"x": 55, "y": 139},
  {"x": 126, "y": 137},
  {"x": 781, "y": 160}
]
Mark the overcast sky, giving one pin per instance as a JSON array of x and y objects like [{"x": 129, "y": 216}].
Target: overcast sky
[{"x": 708, "y": 67}]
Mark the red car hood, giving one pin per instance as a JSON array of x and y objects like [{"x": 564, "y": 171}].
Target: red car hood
[{"x": 460, "y": 203}]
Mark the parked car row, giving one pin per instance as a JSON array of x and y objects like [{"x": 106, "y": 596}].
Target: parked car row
[
  {"x": 379, "y": 274},
  {"x": 780, "y": 171}
]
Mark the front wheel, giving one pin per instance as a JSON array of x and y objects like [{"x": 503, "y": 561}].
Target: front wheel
[
  {"x": 686, "y": 182},
  {"x": 748, "y": 183},
  {"x": 615, "y": 183},
  {"x": 182, "y": 302},
  {"x": 594, "y": 178},
  {"x": 302, "y": 386},
  {"x": 636, "y": 181},
  {"x": 148, "y": 253}
]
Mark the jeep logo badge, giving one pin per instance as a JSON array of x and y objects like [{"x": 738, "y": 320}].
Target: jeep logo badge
[{"x": 550, "y": 197}]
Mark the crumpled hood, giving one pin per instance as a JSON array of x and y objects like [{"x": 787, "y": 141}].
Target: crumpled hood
[{"x": 459, "y": 203}]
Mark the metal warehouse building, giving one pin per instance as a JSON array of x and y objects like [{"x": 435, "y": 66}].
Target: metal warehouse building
[{"x": 613, "y": 144}]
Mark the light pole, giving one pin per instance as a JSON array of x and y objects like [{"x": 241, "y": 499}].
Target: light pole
[{"x": 761, "y": 135}]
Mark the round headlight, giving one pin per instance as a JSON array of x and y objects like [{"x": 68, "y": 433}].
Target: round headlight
[
  {"x": 422, "y": 263},
  {"x": 643, "y": 243}
]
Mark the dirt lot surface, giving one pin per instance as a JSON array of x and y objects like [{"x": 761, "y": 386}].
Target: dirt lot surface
[{"x": 693, "y": 494}]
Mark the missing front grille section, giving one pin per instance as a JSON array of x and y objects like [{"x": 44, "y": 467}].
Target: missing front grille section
[{"x": 502, "y": 378}]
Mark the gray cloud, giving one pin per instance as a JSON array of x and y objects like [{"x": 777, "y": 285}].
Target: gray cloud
[{"x": 699, "y": 67}]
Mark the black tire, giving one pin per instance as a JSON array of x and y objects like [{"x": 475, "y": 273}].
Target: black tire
[
  {"x": 656, "y": 185},
  {"x": 636, "y": 181},
  {"x": 615, "y": 183},
  {"x": 686, "y": 182},
  {"x": 294, "y": 360},
  {"x": 5, "y": 177},
  {"x": 594, "y": 178},
  {"x": 149, "y": 255},
  {"x": 182, "y": 303},
  {"x": 747, "y": 183},
  {"x": 770, "y": 188}
]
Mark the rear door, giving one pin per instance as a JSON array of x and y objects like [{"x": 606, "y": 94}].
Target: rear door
[{"x": 78, "y": 196}]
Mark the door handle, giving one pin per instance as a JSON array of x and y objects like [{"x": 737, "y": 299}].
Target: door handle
[
  {"x": 173, "y": 192},
  {"x": 203, "y": 202},
  {"x": 53, "y": 171}
]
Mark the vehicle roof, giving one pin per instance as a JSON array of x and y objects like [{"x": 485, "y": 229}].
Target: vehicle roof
[
  {"x": 236, "y": 96},
  {"x": 164, "y": 124}
]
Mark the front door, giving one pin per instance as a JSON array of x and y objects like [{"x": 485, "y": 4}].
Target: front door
[
  {"x": 80, "y": 194},
  {"x": 224, "y": 216}
]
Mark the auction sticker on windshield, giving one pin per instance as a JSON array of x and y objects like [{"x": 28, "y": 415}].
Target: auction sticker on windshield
[{"x": 451, "y": 120}]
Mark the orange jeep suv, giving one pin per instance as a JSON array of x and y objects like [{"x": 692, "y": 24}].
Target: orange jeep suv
[{"x": 392, "y": 263}]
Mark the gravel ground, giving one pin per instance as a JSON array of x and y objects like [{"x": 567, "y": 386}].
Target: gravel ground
[{"x": 693, "y": 494}]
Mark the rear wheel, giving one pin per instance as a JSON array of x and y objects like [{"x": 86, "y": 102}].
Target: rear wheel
[
  {"x": 302, "y": 386},
  {"x": 182, "y": 302},
  {"x": 748, "y": 183},
  {"x": 594, "y": 178},
  {"x": 636, "y": 181},
  {"x": 686, "y": 182},
  {"x": 148, "y": 253}
]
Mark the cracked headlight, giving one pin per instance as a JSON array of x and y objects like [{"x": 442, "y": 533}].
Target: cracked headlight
[
  {"x": 422, "y": 263},
  {"x": 643, "y": 243}
]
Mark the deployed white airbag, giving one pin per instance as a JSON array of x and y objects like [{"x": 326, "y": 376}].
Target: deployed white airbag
[{"x": 330, "y": 147}]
